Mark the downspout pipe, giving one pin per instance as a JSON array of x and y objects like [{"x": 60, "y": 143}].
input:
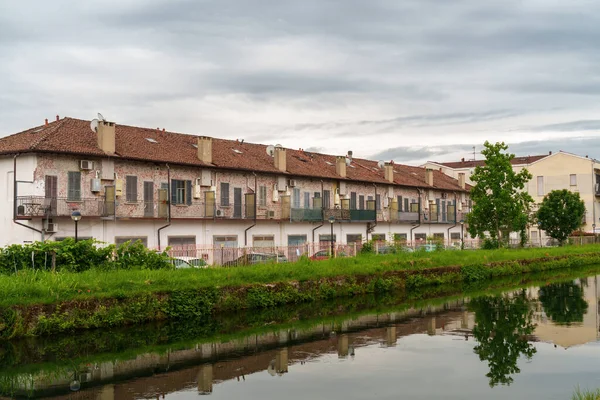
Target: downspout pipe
[
  {"x": 168, "y": 205},
  {"x": 369, "y": 226},
  {"x": 455, "y": 221},
  {"x": 254, "y": 224},
  {"x": 15, "y": 187},
  {"x": 419, "y": 214},
  {"x": 322, "y": 212}
]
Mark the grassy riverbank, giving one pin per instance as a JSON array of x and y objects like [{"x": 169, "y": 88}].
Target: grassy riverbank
[{"x": 36, "y": 303}]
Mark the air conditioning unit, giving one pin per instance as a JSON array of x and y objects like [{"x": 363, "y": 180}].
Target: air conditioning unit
[
  {"x": 292, "y": 183},
  {"x": 444, "y": 195},
  {"x": 219, "y": 213},
  {"x": 51, "y": 227},
  {"x": 86, "y": 165},
  {"x": 197, "y": 190},
  {"x": 271, "y": 214}
]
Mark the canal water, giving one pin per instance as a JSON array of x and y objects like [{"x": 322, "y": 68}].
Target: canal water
[{"x": 530, "y": 340}]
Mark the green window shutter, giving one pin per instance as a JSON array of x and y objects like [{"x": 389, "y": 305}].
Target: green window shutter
[{"x": 188, "y": 192}]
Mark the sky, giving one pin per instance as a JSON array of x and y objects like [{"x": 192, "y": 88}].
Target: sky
[{"x": 408, "y": 80}]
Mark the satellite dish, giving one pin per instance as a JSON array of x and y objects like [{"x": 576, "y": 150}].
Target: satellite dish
[
  {"x": 94, "y": 125},
  {"x": 271, "y": 150},
  {"x": 100, "y": 117},
  {"x": 348, "y": 160},
  {"x": 380, "y": 164}
]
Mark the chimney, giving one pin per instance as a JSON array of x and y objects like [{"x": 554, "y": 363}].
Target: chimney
[
  {"x": 280, "y": 158},
  {"x": 462, "y": 159},
  {"x": 429, "y": 176},
  {"x": 46, "y": 121},
  {"x": 205, "y": 149},
  {"x": 57, "y": 118},
  {"x": 350, "y": 154},
  {"x": 461, "y": 180},
  {"x": 388, "y": 172},
  {"x": 549, "y": 153},
  {"x": 340, "y": 166},
  {"x": 106, "y": 136}
]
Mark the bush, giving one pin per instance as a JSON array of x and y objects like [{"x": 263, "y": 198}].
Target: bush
[
  {"x": 368, "y": 248},
  {"x": 71, "y": 256}
]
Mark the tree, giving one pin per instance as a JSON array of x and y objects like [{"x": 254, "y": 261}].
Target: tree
[
  {"x": 502, "y": 326},
  {"x": 560, "y": 213},
  {"x": 501, "y": 205},
  {"x": 564, "y": 303}
]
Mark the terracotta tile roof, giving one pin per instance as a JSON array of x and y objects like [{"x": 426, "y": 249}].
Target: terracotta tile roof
[
  {"x": 472, "y": 164},
  {"x": 74, "y": 136}
]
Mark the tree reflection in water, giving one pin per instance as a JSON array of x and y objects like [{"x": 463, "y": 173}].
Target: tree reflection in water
[
  {"x": 563, "y": 302},
  {"x": 502, "y": 325}
]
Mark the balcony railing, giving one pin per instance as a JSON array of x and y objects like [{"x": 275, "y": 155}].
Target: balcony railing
[
  {"x": 306, "y": 214},
  {"x": 406, "y": 217},
  {"x": 38, "y": 206},
  {"x": 350, "y": 215}
]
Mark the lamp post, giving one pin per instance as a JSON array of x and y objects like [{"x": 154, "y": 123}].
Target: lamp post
[
  {"x": 76, "y": 216},
  {"x": 331, "y": 221},
  {"x": 540, "y": 233},
  {"x": 462, "y": 236}
]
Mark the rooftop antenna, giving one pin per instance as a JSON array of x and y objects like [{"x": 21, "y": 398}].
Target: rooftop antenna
[
  {"x": 474, "y": 158},
  {"x": 94, "y": 125},
  {"x": 101, "y": 118},
  {"x": 271, "y": 150}
]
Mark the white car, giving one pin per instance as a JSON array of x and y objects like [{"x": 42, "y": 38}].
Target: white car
[{"x": 188, "y": 262}]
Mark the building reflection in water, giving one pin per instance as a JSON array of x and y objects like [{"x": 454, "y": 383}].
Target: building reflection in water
[{"x": 563, "y": 313}]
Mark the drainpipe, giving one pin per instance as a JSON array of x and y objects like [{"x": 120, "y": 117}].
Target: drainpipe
[
  {"x": 455, "y": 222},
  {"x": 169, "y": 205},
  {"x": 322, "y": 212},
  {"x": 593, "y": 199},
  {"x": 313, "y": 232},
  {"x": 254, "y": 224},
  {"x": 369, "y": 226},
  {"x": 419, "y": 214},
  {"x": 15, "y": 184}
]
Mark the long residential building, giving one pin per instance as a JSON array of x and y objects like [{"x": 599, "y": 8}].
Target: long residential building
[{"x": 168, "y": 188}]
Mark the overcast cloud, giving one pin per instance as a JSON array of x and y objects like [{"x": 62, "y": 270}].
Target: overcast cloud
[{"x": 405, "y": 79}]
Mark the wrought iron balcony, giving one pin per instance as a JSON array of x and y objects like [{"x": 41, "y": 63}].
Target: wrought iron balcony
[{"x": 39, "y": 206}]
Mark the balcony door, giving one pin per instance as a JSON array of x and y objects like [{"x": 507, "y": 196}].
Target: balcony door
[
  {"x": 148, "y": 199},
  {"x": 109, "y": 201},
  {"x": 51, "y": 193},
  {"x": 237, "y": 202}
]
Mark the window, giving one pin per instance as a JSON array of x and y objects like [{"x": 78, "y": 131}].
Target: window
[
  {"x": 226, "y": 241},
  {"x": 317, "y": 201},
  {"x": 296, "y": 240},
  {"x": 455, "y": 235},
  {"x": 378, "y": 237},
  {"x": 262, "y": 196},
  {"x": 326, "y": 199},
  {"x": 420, "y": 236},
  {"x": 400, "y": 237},
  {"x": 296, "y": 198},
  {"x": 306, "y": 199},
  {"x": 540, "y": 185},
  {"x": 182, "y": 241},
  {"x": 263, "y": 241},
  {"x": 181, "y": 192},
  {"x": 120, "y": 240},
  {"x": 378, "y": 202},
  {"x": 224, "y": 194},
  {"x": 326, "y": 239},
  {"x": 353, "y": 200},
  {"x": 74, "y": 186},
  {"x": 573, "y": 179},
  {"x": 361, "y": 202},
  {"x": 400, "y": 203},
  {"x": 438, "y": 236},
  {"x": 414, "y": 207},
  {"x": 354, "y": 238},
  {"x": 131, "y": 189}
]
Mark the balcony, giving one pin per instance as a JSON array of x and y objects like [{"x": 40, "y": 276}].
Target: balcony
[
  {"x": 42, "y": 207},
  {"x": 350, "y": 215},
  {"x": 406, "y": 217},
  {"x": 306, "y": 215}
]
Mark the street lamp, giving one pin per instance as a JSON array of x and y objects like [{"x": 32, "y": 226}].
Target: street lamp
[
  {"x": 331, "y": 221},
  {"x": 76, "y": 216},
  {"x": 462, "y": 236}
]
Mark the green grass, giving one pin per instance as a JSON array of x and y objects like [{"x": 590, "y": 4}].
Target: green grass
[
  {"x": 45, "y": 287},
  {"x": 586, "y": 394}
]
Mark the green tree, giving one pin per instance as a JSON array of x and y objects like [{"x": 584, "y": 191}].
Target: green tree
[
  {"x": 501, "y": 205},
  {"x": 560, "y": 213},
  {"x": 502, "y": 324},
  {"x": 563, "y": 302}
]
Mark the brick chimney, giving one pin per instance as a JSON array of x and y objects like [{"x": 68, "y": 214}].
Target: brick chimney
[
  {"x": 280, "y": 158},
  {"x": 205, "y": 149},
  {"x": 388, "y": 172},
  {"x": 461, "y": 180},
  {"x": 429, "y": 176},
  {"x": 106, "y": 136},
  {"x": 340, "y": 166}
]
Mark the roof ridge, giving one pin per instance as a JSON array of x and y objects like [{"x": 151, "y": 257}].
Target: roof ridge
[{"x": 51, "y": 130}]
